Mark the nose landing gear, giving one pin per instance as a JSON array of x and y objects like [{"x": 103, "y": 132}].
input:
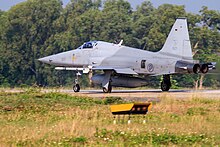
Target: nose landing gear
[{"x": 76, "y": 87}]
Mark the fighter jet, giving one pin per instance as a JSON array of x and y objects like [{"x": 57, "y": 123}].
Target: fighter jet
[{"x": 125, "y": 66}]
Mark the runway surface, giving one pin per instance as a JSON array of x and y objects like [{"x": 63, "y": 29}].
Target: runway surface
[
  {"x": 136, "y": 95},
  {"x": 148, "y": 95}
]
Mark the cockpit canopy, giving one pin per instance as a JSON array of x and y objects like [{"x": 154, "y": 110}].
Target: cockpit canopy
[{"x": 88, "y": 45}]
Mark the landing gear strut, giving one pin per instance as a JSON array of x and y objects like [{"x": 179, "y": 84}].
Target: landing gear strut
[
  {"x": 76, "y": 87},
  {"x": 106, "y": 83},
  {"x": 109, "y": 89},
  {"x": 166, "y": 84}
]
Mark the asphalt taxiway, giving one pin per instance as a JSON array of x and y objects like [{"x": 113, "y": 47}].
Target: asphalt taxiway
[
  {"x": 149, "y": 94},
  {"x": 134, "y": 94}
]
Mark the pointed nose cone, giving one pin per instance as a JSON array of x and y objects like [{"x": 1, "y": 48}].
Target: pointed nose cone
[
  {"x": 41, "y": 60},
  {"x": 47, "y": 59}
]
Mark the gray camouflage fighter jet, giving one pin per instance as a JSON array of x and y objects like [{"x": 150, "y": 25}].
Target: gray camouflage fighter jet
[{"x": 123, "y": 66}]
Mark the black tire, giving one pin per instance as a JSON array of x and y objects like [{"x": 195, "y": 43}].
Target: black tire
[
  {"x": 105, "y": 90},
  {"x": 204, "y": 69},
  {"x": 109, "y": 90},
  {"x": 165, "y": 86},
  {"x": 76, "y": 88}
]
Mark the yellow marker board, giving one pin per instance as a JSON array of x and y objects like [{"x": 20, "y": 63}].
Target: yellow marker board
[{"x": 133, "y": 108}]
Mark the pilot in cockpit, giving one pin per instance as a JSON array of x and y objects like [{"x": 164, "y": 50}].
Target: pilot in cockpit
[{"x": 88, "y": 45}]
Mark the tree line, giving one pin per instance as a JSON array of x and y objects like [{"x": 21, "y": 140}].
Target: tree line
[{"x": 38, "y": 28}]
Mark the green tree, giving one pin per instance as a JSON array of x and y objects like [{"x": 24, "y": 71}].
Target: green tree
[
  {"x": 165, "y": 17},
  {"x": 143, "y": 19},
  {"x": 210, "y": 18},
  {"x": 29, "y": 25},
  {"x": 115, "y": 21}
]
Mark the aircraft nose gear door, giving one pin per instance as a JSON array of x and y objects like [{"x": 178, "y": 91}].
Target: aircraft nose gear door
[
  {"x": 166, "y": 84},
  {"x": 106, "y": 83}
]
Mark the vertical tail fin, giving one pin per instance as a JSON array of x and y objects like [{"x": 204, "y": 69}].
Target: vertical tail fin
[{"x": 178, "y": 43}]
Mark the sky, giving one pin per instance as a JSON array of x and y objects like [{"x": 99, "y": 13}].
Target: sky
[{"x": 191, "y": 5}]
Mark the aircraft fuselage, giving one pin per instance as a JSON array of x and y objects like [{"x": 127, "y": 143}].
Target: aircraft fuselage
[{"x": 174, "y": 57}]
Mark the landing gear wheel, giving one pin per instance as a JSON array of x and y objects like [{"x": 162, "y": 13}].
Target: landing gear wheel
[
  {"x": 76, "y": 88},
  {"x": 109, "y": 90},
  {"x": 165, "y": 86},
  {"x": 105, "y": 90}
]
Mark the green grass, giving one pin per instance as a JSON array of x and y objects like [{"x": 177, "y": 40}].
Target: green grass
[{"x": 33, "y": 118}]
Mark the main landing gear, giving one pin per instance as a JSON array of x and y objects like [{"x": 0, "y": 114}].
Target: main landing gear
[
  {"x": 108, "y": 89},
  {"x": 76, "y": 87},
  {"x": 166, "y": 84},
  {"x": 106, "y": 83}
]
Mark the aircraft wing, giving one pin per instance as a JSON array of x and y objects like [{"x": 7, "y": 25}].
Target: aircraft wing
[
  {"x": 128, "y": 71},
  {"x": 125, "y": 71},
  {"x": 211, "y": 65}
]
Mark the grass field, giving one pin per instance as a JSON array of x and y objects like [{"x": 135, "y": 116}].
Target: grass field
[{"x": 34, "y": 118}]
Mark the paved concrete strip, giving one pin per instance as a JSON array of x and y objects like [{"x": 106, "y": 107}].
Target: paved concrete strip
[
  {"x": 136, "y": 95},
  {"x": 152, "y": 94}
]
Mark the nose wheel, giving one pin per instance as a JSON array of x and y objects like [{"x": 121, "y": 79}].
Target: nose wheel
[
  {"x": 166, "y": 84},
  {"x": 76, "y": 87},
  {"x": 107, "y": 90}
]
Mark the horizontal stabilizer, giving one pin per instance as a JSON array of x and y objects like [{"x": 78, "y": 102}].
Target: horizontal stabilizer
[{"x": 211, "y": 65}]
